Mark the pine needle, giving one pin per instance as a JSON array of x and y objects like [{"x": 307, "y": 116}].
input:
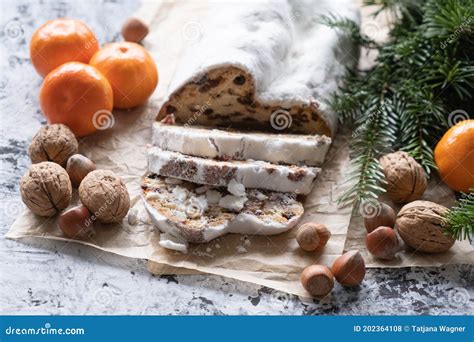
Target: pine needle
[{"x": 460, "y": 219}]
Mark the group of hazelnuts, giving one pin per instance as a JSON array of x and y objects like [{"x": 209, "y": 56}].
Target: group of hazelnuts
[
  {"x": 57, "y": 167},
  {"x": 318, "y": 280},
  {"x": 419, "y": 225}
]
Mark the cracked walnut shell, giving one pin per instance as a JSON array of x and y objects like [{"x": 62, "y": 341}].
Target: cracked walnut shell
[
  {"x": 421, "y": 225},
  {"x": 54, "y": 143},
  {"x": 406, "y": 180},
  {"x": 46, "y": 189},
  {"x": 105, "y": 195}
]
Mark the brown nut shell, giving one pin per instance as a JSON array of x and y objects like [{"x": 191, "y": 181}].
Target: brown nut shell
[
  {"x": 422, "y": 226},
  {"x": 307, "y": 237},
  {"x": 383, "y": 243},
  {"x": 349, "y": 268},
  {"x": 134, "y": 30},
  {"x": 76, "y": 223},
  {"x": 79, "y": 166},
  {"x": 46, "y": 189},
  {"x": 312, "y": 236},
  {"x": 105, "y": 195},
  {"x": 406, "y": 179},
  {"x": 317, "y": 280},
  {"x": 384, "y": 215},
  {"x": 55, "y": 143}
]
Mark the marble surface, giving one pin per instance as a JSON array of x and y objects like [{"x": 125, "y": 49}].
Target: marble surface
[{"x": 50, "y": 277}]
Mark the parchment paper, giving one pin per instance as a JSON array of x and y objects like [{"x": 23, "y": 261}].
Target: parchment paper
[{"x": 274, "y": 261}]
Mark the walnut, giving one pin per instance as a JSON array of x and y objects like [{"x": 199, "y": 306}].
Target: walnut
[
  {"x": 54, "y": 143},
  {"x": 105, "y": 195},
  {"x": 406, "y": 180},
  {"x": 46, "y": 189},
  {"x": 421, "y": 225}
]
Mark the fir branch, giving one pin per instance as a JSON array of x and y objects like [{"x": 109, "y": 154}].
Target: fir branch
[
  {"x": 422, "y": 124},
  {"x": 460, "y": 219},
  {"x": 423, "y": 72},
  {"x": 350, "y": 28}
]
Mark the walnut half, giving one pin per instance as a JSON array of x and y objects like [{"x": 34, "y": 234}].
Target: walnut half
[{"x": 46, "y": 189}]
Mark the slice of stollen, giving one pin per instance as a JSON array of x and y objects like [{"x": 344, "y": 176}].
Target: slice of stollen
[
  {"x": 263, "y": 65},
  {"x": 250, "y": 173},
  {"x": 189, "y": 212},
  {"x": 214, "y": 143}
]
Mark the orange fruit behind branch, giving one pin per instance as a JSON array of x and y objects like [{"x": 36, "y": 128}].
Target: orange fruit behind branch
[
  {"x": 73, "y": 94},
  {"x": 454, "y": 156},
  {"x": 130, "y": 70},
  {"x": 60, "y": 41}
]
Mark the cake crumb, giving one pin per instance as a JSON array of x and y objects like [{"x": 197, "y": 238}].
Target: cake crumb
[{"x": 241, "y": 249}]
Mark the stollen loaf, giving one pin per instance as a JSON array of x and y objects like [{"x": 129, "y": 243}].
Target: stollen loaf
[{"x": 265, "y": 66}]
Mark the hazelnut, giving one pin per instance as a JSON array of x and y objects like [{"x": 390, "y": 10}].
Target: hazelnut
[
  {"x": 384, "y": 216},
  {"x": 421, "y": 225},
  {"x": 406, "y": 180},
  {"x": 76, "y": 223},
  {"x": 134, "y": 30},
  {"x": 383, "y": 243},
  {"x": 46, "y": 189},
  {"x": 349, "y": 269},
  {"x": 78, "y": 167},
  {"x": 312, "y": 236},
  {"x": 317, "y": 280},
  {"x": 54, "y": 143},
  {"x": 105, "y": 195}
]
